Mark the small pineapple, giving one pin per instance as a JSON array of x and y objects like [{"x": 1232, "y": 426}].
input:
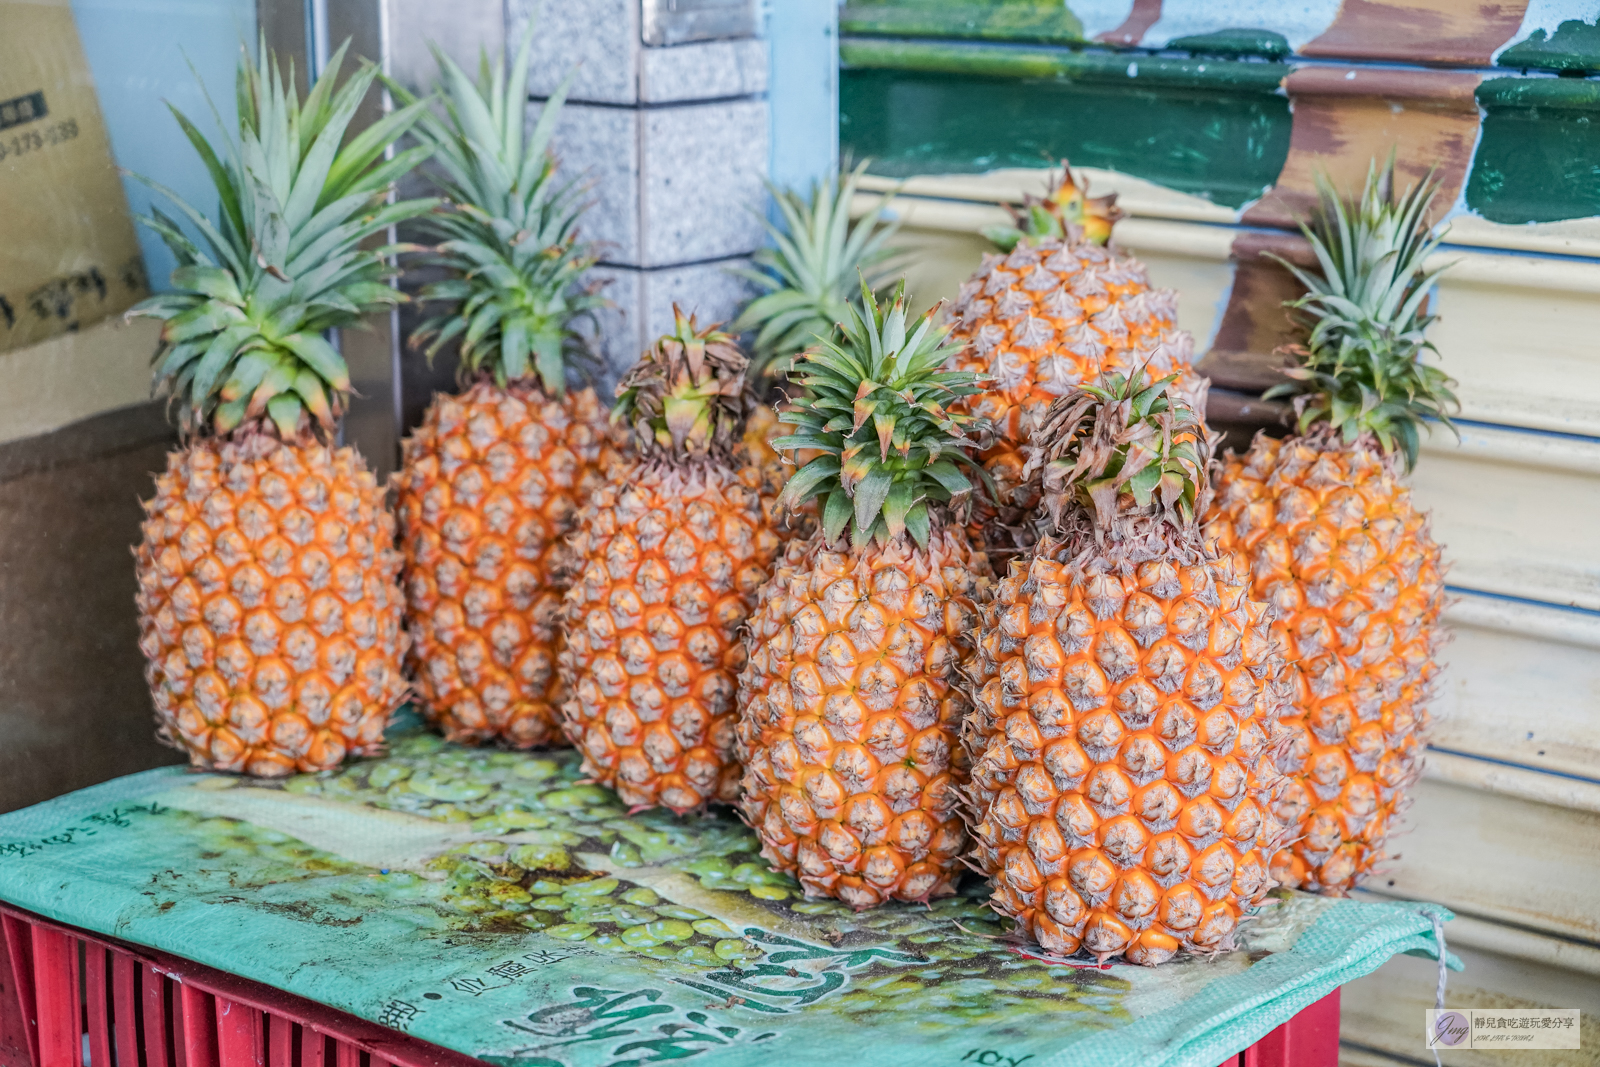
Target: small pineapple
[
  {"x": 493, "y": 478},
  {"x": 1326, "y": 530},
  {"x": 1126, "y": 693},
  {"x": 673, "y": 550},
  {"x": 1056, "y": 308},
  {"x": 269, "y": 613},
  {"x": 848, "y": 707},
  {"x": 813, "y": 273},
  {"x": 810, "y": 276}
]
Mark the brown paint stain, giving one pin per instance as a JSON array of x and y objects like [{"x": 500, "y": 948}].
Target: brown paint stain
[
  {"x": 1253, "y": 247},
  {"x": 1238, "y": 417},
  {"x": 1419, "y": 31},
  {"x": 1141, "y": 17},
  {"x": 1255, "y": 322},
  {"x": 1344, "y": 118}
]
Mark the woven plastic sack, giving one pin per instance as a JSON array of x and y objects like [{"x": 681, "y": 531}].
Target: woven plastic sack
[{"x": 492, "y": 903}]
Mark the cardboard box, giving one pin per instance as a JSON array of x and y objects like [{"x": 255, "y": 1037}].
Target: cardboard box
[{"x": 68, "y": 253}]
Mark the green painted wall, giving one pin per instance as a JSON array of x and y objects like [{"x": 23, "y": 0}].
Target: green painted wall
[
  {"x": 1218, "y": 130},
  {"x": 1003, "y": 20},
  {"x": 1538, "y": 158},
  {"x": 952, "y": 86},
  {"x": 1574, "y": 46}
]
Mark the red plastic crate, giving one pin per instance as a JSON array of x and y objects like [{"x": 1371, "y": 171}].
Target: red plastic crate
[{"x": 70, "y": 998}]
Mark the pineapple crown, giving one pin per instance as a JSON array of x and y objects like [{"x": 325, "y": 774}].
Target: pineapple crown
[
  {"x": 243, "y": 335},
  {"x": 1126, "y": 451},
  {"x": 686, "y": 395},
  {"x": 809, "y": 272},
  {"x": 1066, "y": 207},
  {"x": 1361, "y": 369},
  {"x": 509, "y": 238},
  {"x": 876, "y": 404}
]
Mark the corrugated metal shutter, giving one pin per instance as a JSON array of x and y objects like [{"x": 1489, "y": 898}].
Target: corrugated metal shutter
[{"x": 1506, "y": 825}]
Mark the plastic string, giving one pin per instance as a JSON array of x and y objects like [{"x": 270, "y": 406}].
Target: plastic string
[{"x": 1444, "y": 974}]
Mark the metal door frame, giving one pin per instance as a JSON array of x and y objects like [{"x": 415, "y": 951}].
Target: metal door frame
[{"x": 308, "y": 31}]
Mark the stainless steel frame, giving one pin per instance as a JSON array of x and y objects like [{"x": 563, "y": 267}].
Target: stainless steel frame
[
  {"x": 669, "y": 22},
  {"x": 309, "y": 31}
]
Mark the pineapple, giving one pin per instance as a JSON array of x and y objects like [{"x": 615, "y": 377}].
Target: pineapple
[
  {"x": 813, "y": 271},
  {"x": 674, "y": 549},
  {"x": 759, "y": 429},
  {"x": 811, "y": 275},
  {"x": 1326, "y": 530},
  {"x": 848, "y": 706},
  {"x": 494, "y": 477},
  {"x": 269, "y": 612},
  {"x": 1057, "y": 307},
  {"x": 1126, "y": 691}
]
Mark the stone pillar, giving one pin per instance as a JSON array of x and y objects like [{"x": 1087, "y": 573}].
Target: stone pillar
[{"x": 667, "y": 118}]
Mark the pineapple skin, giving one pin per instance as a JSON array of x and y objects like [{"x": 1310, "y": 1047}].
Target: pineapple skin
[
  {"x": 849, "y": 715},
  {"x": 771, "y": 469},
  {"x": 269, "y": 611},
  {"x": 491, "y": 485},
  {"x": 1050, "y": 315},
  {"x": 1329, "y": 537},
  {"x": 1121, "y": 752},
  {"x": 672, "y": 559},
  {"x": 774, "y": 469}
]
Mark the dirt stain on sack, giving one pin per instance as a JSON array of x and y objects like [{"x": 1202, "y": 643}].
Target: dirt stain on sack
[{"x": 303, "y": 911}]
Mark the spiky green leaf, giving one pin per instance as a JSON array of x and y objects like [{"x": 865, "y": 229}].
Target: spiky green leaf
[
  {"x": 298, "y": 197},
  {"x": 815, "y": 269},
  {"x": 1362, "y": 368},
  {"x": 878, "y": 403},
  {"x": 509, "y": 239}
]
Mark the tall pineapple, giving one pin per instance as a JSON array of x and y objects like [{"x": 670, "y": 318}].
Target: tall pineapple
[
  {"x": 848, "y": 707},
  {"x": 673, "y": 550},
  {"x": 1327, "y": 531},
  {"x": 1055, "y": 308},
  {"x": 1126, "y": 695},
  {"x": 268, "y": 609},
  {"x": 493, "y": 477}
]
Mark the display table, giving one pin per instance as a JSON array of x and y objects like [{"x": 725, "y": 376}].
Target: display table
[{"x": 492, "y": 904}]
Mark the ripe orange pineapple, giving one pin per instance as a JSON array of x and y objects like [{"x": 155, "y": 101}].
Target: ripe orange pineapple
[
  {"x": 848, "y": 708},
  {"x": 1327, "y": 532},
  {"x": 268, "y": 608},
  {"x": 672, "y": 551},
  {"x": 1057, "y": 307},
  {"x": 1126, "y": 691},
  {"x": 493, "y": 479}
]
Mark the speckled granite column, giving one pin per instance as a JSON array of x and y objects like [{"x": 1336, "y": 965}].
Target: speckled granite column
[{"x": 671, "y": 129}]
